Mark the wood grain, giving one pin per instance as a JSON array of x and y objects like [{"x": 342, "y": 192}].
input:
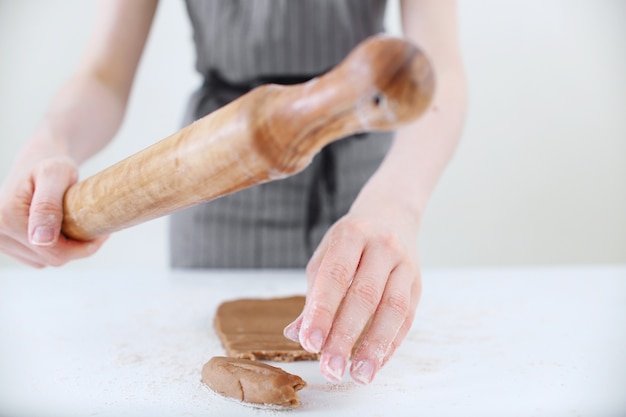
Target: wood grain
[{"x": 269, "y": 133}]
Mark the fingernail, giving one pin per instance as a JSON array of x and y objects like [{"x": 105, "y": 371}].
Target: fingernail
[
  {"x": 335, "y": 368},
  {"x": 314, "y": 341},
  {"x": 363, "y": 372},
  {"x": 291, "y": 332},
  {"x": 43, "y": 236}
]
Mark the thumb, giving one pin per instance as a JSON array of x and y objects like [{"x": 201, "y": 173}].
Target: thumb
[{"x": 46, "y": 209}]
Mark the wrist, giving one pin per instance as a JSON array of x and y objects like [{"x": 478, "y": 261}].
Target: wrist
[
  {"x": 390, "y": 185},
  {"x": 45, "y": 143},
  {"x": 388, "y": 202}
]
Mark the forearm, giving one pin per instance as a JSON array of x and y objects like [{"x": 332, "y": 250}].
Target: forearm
[
  {"x": 89, "y": 108},
  {"x": 421, "y": 150},
  {"x": 366, "y": 269},
  {"x": 81, "y": 119}
]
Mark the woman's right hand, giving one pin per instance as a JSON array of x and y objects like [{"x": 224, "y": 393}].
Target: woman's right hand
[
  {"x": 31, "y": 211},
  {"x": 82, "y": 118}
]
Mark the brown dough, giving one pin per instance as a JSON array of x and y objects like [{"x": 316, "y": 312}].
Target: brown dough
[
  {"x": 251, "y": 381},
  {"x": 253, "y": 329}
]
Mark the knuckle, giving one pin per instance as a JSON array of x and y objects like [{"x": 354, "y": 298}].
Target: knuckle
[
  {"x": 47, "y": 168},
  {"x": 368, "y": 292},
  {"x": 391, "y": 243},
  {"x": 56, "y": 165},
  {"x": 324, "y": 312},
  {"x": 348, "y": 228},
  {"x": 45, "y": 206},
  {"x": 339, "y": 274},
  {"x": 398, "y": 304},
  {"x": 342, "y": 339}
]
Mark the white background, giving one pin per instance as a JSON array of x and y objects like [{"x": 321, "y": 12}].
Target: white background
[{"x": 539, "y": 178}]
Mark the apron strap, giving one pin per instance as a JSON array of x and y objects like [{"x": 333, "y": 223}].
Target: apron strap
[{"x": 325, "y": 172}]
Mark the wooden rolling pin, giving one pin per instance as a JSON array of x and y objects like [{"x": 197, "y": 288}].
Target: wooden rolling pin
[{"x": 269, "y": 133}]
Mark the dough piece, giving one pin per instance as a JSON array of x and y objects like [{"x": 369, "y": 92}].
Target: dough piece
[
  {"x": 253, "y": 329},
  {"x": 252, "y": 382}
]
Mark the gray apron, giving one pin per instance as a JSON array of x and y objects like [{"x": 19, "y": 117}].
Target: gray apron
[{"x": 241, "y": 44}]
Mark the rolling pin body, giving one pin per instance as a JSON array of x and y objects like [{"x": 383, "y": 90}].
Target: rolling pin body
[{"x": 269, "y": 133}]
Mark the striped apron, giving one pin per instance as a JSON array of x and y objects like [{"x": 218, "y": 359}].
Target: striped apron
[{"x": 241, "y": 44}]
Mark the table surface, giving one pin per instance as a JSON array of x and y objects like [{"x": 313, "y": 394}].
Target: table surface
[{"x": 486, "y": 342}]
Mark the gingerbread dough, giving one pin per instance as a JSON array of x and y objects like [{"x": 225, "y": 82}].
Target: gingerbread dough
[
  {"x": 252, "y": 382},
  {"x": 253, "y": 329}
]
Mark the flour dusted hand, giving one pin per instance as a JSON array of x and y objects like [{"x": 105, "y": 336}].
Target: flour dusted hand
[{"x": 363, "y": 278}]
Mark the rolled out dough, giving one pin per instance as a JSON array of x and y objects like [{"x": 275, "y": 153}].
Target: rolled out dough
[
  {"x": 253, "y": 329},
  {"x": 252, "y": 382}
]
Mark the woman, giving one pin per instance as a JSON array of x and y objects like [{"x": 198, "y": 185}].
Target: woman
[{"x": 352, "y": 217}]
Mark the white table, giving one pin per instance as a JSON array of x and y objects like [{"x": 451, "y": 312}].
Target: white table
[{"x": 486, "y": 342}]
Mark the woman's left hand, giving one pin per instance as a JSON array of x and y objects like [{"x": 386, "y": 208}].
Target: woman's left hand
[
  {"x": 366, "y": 267},
  {"x": 363, "y": 278}
]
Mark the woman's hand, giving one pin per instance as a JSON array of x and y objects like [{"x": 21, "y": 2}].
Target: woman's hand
[
  {"x": 81, "y": 119},
  {"x": 363, "y": 278},
  {"x": 31, "y": 210},
  {"x": 366, "y": 266}
]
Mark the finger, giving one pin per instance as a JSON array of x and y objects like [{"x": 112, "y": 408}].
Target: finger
[
  {"x": 406, "y": 326},
  {"x": 359, "y": 304},
  {"x": 28, "y": 261},
  {"x": 46, "y": 208},
  {"x": 329, "y": 285},
  {"x": 316, "y": 260},
  {"x": 20, "y": 252},
  {"x": 65, "y": 250},
  {"x": 391, "y": 315},
  {"x": 292, "y": 330}
]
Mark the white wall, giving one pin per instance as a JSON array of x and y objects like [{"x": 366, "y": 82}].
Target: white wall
[
  {"x": 539, "y": 178},
  {"x": 541, "y": 174}
]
